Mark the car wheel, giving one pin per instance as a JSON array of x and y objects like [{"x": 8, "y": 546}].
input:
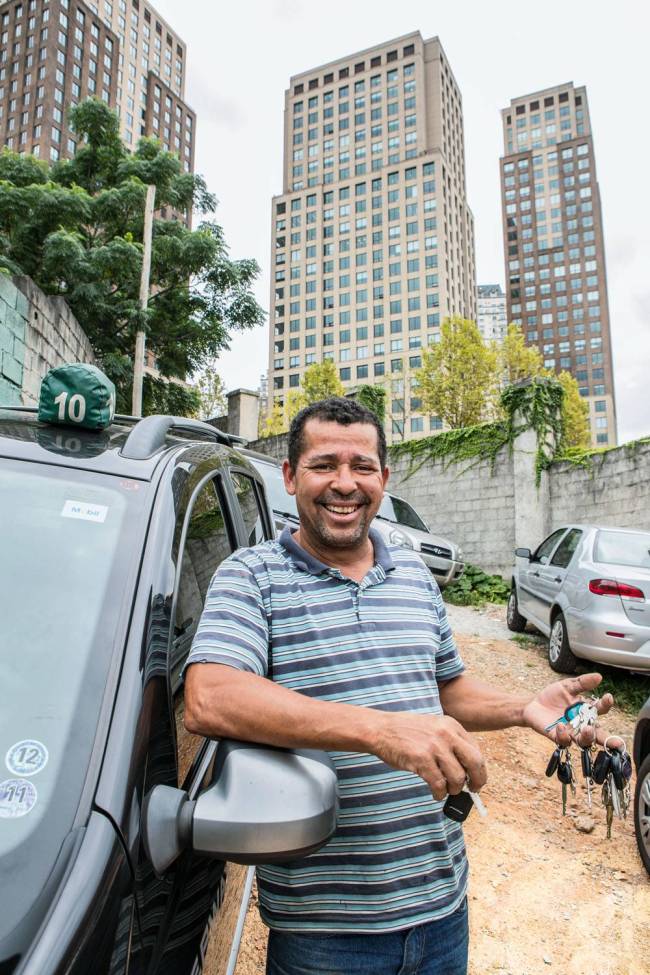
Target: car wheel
[
  {"x": 560, "y": 656},
  {"x": 514, "y": 620},
  {"x": 642, "y": 811}
]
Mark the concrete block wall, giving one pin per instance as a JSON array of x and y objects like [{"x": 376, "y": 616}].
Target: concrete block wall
[
  {"x": 14, "y": 316},
  {"x": 53, "y": 336},
  {"x": 614, "y": 490},
  {"x": 473, "y": 506}
]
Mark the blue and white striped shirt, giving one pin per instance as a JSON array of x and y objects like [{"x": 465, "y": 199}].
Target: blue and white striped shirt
[{"x": 395, "y": 860}]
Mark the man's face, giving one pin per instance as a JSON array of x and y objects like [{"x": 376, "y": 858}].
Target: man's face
[{"x": 338, "y": 483}]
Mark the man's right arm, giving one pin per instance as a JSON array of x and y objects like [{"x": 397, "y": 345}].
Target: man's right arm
[{"x": 225, "y": 702}]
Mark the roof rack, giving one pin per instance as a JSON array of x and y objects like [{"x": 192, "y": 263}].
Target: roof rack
[{"x": 148, "y": 435}]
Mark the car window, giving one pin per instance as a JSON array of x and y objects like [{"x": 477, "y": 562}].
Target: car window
[
  {"x": 566, "y": 548},
  {"x": 547, "y": 546},
  {"x": 401, "y": 512},
  {"x": 250, "y": 507},
  {"x": 280, "y": 501},
  {"x": 70, "y": 543},
  {"x": 623, "y": 548},
  {"x": 207, "y": 544}
]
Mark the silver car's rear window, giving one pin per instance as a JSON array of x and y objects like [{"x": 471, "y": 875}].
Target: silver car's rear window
[{"x": 623, "y": 548}]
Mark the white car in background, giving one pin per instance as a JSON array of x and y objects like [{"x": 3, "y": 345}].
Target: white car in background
[
  {"x": 587, "y": 588},
  {"x": 397, "y": 520}
]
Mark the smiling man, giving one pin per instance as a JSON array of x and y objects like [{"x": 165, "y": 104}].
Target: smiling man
[{"x": 326, "y": 638}]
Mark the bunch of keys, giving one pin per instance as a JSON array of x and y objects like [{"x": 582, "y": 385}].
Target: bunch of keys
[
  {"x": 612, "y": 769},
  {"x": 582, "y": 714}
]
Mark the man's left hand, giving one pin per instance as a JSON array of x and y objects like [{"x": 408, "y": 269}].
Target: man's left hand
[{"x": 550, "y": 704}]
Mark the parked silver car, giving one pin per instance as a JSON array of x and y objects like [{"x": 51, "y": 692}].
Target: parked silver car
[
  {"x": 641, "y": 756},
  {"x": 587, "y": 588},
  {"x": 442, "y": 557},
  {"x": 397, "y": 521}
]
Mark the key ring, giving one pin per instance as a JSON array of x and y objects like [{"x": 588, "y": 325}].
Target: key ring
[{"x": 623, "y": 751}]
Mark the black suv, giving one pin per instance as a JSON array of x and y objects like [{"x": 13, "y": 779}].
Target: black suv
[{"x": 112, "y": 844}]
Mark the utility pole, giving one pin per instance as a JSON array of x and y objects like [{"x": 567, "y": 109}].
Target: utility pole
[{"x": 138, "y": 362}]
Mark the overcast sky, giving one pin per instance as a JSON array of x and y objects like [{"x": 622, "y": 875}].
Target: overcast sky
[{"x": 241, "y": 55}]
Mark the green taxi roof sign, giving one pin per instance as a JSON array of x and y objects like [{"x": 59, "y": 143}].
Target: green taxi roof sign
[{"x": 77, "y": 395}]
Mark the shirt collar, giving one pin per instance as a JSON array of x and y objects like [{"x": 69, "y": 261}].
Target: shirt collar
[{"x": 304, "y": 560}]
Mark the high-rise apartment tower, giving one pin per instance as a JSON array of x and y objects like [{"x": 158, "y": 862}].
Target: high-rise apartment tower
[
  {"x": 372, "y": 237},
  {"x": 55, "y": 53},
  {"x": 553, "y": 241},
  {"x": 491, "y": 316}
]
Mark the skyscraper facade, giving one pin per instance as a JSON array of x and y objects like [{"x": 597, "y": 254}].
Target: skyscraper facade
[
  {"x": 55, "y": 53},
  {"x": 556, "y": 282},
  {"x": 492, "y": 318},
  {"x": 372, "y": 237}
]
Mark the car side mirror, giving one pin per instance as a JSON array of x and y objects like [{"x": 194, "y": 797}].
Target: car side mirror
[
  {"x": 523, "y": 553},
  {"x": 263, "y": 805}
]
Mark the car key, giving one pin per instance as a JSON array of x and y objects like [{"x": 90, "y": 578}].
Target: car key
[
  {"x": 459, "y": 807},
  {"x": 585, "y": 760},
  {"x": 553, "y": 762},
  {"x": 600, "y": 767},
  {"x": 565, "y": 775},
  {"x": 609, "y": 806}
]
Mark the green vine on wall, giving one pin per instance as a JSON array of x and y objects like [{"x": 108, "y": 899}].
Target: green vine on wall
[
  {"x": 535, "y": 405},
  {"x": 581, "y": 457},
  {"x": 477, "y": 443},
  {"x": 539, "y": 403}
]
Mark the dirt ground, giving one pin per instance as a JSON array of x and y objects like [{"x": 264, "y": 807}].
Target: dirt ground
[{"x": 545, "y": 898}]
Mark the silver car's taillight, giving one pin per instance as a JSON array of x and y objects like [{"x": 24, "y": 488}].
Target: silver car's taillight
[{"x": 610, "y": 587}]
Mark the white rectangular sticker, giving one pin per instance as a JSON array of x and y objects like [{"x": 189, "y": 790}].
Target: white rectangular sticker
[{"x": 84, "y": 510}]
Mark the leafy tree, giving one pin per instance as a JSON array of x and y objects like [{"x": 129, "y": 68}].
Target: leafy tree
[
  {"x": 293, "y": 403},
  {"x": 320, "y": 381},
  {"x": 517, "y": 360},
  {"x": 76, "y": 230},
  {"x": 275, "y": 423},
  {"x": 212, "y": 393},
  {"x": 575, "y": 413},
  {"x": 459, "y": 375}
]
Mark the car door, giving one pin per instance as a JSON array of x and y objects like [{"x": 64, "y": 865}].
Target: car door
[
  {"x": 553, "y": 576},
  {"x": 177, "y": 909},
  {"x": 533, "y": 600}
]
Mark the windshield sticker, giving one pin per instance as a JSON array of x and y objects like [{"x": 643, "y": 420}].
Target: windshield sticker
[
  {"x": 17, "y": 798},
  {"x": 26, "y": 757},
  {"x": 84, "y": 510}
]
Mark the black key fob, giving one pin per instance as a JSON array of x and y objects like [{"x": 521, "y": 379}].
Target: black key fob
[
  {"x": 600, "y": 768},
  {"x": 615, "y": 768},
  {"x": 585, "y": 758},
  {"x": 553, "y": 763},
  {"x": 626, "y": 767},
  {"x": 458, "y": 807}
]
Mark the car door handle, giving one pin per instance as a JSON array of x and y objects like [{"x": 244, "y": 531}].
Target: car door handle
[
  {"x": 557, "y": 579},
  {"x": 536, "y": 574}
]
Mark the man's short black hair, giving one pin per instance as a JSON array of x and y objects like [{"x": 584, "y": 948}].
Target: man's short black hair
[{"x": 336, "y": 409}]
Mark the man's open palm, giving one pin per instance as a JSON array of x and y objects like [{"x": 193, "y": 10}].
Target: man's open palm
[{"x": 550, "y": 704}]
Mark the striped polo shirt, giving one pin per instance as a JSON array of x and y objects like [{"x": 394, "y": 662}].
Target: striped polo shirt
[{"x": 395, "y": 860}]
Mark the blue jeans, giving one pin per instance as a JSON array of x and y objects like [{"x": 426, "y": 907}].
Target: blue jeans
[{"x": 436, "y": 948}]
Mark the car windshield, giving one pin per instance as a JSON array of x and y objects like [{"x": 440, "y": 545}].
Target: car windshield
[
  {"x": 280, "y": 501},
  {"x": 401, "y": 512},
  {"x": 623, "y": 548},
  {"x": 68, "y": 539}
]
